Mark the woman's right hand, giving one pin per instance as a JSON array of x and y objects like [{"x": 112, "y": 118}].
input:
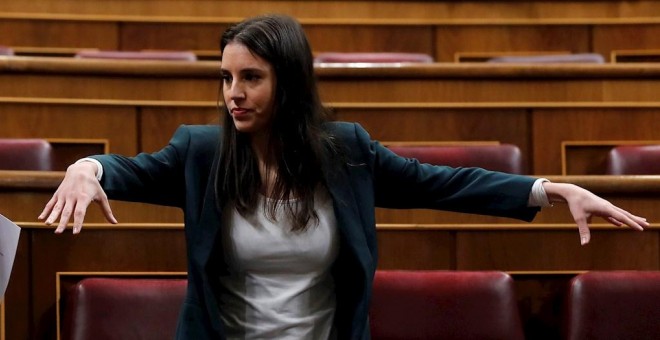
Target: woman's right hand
[{"x": 78, "y": 189}]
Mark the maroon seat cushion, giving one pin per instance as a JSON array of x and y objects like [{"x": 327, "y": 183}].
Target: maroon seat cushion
[
  {"x": 634, "y": 160},
  {"x": 109, "y": 308},
  {"x": 137, "y": 55},
  {"x": 613, "y": 305},
  {"x": 372, "y": 57},
  {"x": 25, "y": 154},
  {"x": 581, "y": 58},
  {"x": 444, "y": 305},
  {"x": 7, "y": 51},
  {"x": 502, "y": 157}
]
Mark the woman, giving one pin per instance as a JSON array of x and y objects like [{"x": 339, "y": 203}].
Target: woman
[{"x": 279, "y": 204}]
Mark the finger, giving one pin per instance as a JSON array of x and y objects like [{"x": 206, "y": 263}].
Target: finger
[
  {"x": 55, "y": 212},
  {"x": 628, "y": 219},
  {"x": 583, "y": 229},
  {"x": 640, "y": 222},
  {"x": 65, "y": 216},
  {"x": 48, "y": 207},
  {"x": 615, "y": 222},
  {"x": 107, "y": 211},
  {"x": 79, "y": 216}
]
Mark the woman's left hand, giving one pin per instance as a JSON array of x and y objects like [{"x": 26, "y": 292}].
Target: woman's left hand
[{"x": 584, "y": 204}]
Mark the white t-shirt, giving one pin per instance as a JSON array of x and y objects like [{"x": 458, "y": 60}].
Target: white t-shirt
[{"x": 280, "y": 285}]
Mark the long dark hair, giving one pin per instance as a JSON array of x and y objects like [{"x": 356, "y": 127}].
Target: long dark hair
[{"x": 298, "y": 144}]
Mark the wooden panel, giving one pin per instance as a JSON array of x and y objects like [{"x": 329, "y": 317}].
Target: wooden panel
[
  {"x": 587, "y": 124},
  {"x": 452, "y": 39},
  {"x": 636, "y": 56},
  {"x": 589, "y": 157},
  {"x": 116, "y": 124},
  {"x": 607, "y": 38},
  {"x": 68, "y": 150},
  {"x": 171, "y": 36},
  {"x": 557, "y": 250},
  {"x": 420, "y": 250},
  {"x": 108, "y": 87},
  {"x": 159, "y": 123},
  {"x": 347, "y": 38},
  {"x": 393, "y": 10},
  {"x": 49, "y": 33}
]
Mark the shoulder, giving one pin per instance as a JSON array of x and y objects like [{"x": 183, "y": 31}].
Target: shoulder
[
  {"x": 199, "y": 140},
  {"x": 346, "y": 131}
]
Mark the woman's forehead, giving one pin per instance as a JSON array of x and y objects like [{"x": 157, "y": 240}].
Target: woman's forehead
[{"x": 237, "y": 56}]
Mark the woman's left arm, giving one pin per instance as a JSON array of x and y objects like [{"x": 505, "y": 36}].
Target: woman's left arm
[{"x": 584, "y": 204}]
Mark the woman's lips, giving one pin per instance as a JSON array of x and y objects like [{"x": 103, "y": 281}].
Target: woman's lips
[{"x": 239, "y": 112}]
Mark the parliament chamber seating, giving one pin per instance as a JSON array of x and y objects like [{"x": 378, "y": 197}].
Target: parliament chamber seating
[
  {"x": 634, "y": 160},
  {"x": 581, "y": 58},
  {"x": 121, "y": 308},
  {"x": 372, "y": 57},
  {"x": 497, "y": 157},
  {"x": 137, "y": 55},
  {"x": 444, "y": 305},
  {"x": 613, "y": 305},
  {"x": 25, "y": 154}
]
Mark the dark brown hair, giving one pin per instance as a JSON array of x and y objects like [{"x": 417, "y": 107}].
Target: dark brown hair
[{"x": 297, "y": 140}]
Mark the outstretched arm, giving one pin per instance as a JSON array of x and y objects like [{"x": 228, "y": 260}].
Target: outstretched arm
[
  {"x": 79, "y": 188},
  {"x": 584, "y": 204}
]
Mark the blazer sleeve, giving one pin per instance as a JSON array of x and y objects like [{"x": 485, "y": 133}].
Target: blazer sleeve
[
  {"x": 148, "y": 177},
  {"x": 406, "y": 183}
]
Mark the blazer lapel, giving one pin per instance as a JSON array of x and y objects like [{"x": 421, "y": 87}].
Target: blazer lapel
[{"x": 349, "y": 221}]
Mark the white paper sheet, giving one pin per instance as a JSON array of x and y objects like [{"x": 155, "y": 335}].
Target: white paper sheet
[{"x": 9, "y": 233}]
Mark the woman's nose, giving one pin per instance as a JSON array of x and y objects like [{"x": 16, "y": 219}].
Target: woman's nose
[{"x": 236, "y": 91}]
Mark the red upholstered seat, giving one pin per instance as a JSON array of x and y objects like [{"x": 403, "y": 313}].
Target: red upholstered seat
[
  {"x": 7, "y": 51},
  {"x": 25, "y": 154},
  {"x": 613, "y": 305},
  {"x": 501, "y": 157},
  {"x": 588, "y": 58},
  {"x": 372, "y": 57},
  {"x": 109, "y": 308},
  {"x": 634, "y": 160},
  {"x": 444, "y": 305},
  {"x": 137, "y": 55}
]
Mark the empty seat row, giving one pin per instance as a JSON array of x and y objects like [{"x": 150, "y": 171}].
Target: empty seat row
[
  {"x": 37, "y": 154},
  {"x": 405, "y": 305}
]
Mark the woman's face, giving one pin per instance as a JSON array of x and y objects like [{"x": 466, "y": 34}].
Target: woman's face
[{"x": 248, "y": 86}]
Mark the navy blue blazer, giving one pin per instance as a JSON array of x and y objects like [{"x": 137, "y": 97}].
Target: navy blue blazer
[{"x": 182, "y": 174}]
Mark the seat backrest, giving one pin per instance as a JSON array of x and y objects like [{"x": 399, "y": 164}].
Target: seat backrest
[
  {"x": 111, "y": 308},
  {"x": 138, "y": 55},
  {"x": 372, "y": 57},
  {"x": 501, "y": 157},
  {"x": 582, "y": 58},
  {"x": 25, "y": 154},
  {"x": 613, "y": 305},
  {"x": 634, "y": 160},
  {"x": 444, "y": 305}
]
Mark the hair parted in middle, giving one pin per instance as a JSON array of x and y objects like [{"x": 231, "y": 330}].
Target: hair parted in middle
[{"x": 298, "y": 142}]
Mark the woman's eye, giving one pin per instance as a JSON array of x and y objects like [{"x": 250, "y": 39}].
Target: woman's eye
[{"x": 251, "y": 77}]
